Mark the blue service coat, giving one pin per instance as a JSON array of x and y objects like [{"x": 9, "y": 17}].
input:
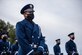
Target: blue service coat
[
  {"x": 70, "y": 46},
  {"x": 57, "y": 49},
  {"x": 27, "y": 34}
]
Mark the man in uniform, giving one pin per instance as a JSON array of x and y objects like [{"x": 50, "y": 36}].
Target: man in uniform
[
  {"x": 70, "y": 46},
  {"x": 6, "y": 45},
  {"x": 56, "y": 48},
  {"x": 28, "y": 33},
  {"x": 14, "y": 48},
  {"x": 46, "y": 51}
]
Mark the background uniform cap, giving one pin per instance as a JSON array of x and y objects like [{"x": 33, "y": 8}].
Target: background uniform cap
[
  {"x": 28, "y": 6},
  {"x": 57, "y": 39},
  {"x": 4, "y": 36},
  {"x": 71, "y": 34}
]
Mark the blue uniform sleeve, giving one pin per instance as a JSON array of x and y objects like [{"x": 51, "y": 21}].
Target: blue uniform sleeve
[
  {"x": 12, "y": 50},
  {"x": 46, "y": 49},
  {"x": 23, "y": 43},
  {"x": 54, "y": 49},
  {"x": 75, "y": 49},
  {"x": 41, "y": 45},
  {"x": 67, "y": 48}
]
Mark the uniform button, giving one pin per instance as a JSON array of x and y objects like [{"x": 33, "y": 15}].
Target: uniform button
[
  {"x": 38, "y": 37},
  {"x": 32, "y": 36}
]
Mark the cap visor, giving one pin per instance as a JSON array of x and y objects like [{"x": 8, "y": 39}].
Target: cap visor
[{"x": 29, "y": 10}]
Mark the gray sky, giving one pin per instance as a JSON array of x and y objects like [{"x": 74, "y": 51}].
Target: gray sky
[{"x": 57, "y": 18}]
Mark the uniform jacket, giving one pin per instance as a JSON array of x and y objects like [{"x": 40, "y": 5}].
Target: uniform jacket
[
  {"x": 70, "y": 47},
  {"x": 27, "y": 34},
  {"x": 57, "y": 49}
]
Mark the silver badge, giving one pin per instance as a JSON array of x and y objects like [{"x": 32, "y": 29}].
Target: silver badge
[{"x": 30, "y": 6}]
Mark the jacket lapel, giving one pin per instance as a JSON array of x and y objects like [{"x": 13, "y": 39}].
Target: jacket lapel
[{"x": 28, "y": 24}]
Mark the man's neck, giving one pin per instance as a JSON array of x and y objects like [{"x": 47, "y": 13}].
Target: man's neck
[
  {"x": 29, "y": 21},
  {"x": 57, "y": 44},
  {"x": 71, "y": 39}
]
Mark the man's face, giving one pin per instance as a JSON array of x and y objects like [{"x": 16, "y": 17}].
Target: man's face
[
  {"x": 29, "y": 15},
  {"x": 72, "y": 37},
  {"x": 58, "y": 42},
  {"x": 4, "y": 38}
]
